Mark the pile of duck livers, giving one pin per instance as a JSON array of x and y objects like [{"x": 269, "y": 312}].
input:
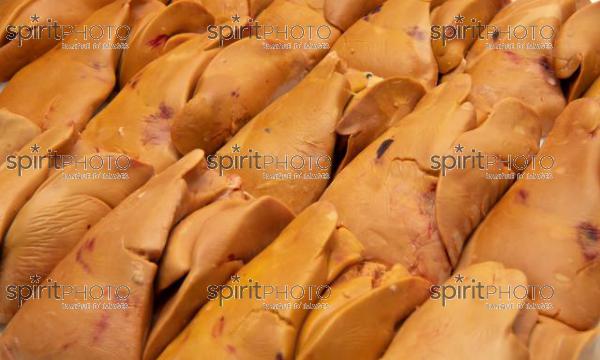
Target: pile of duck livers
[{"x": 425, "y": 183}]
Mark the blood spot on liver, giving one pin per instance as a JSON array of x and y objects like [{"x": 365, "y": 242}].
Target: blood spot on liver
[
  {"x": 374, "y": 11},
  {"x": 157, "y": 129},
  {"x": 514, "y": 57},
  {"x": 100, "y": 327},
  {"x": 590, "y": 231},
  {"x": 89, "y": 244},
  {"x": 377, "y": 278},
  {"x": 588, "y": 236},
  {"x": 416, "y": 33},
  {"x": 160, "y": 40},
  {"x": 165, "y": 112},
  {"x": 432, "y": 187},
  {"x": 545, "y": 64},
  {"x": 495, "y": 35},
  {"x": 96, "y": 65},
  {"x": 383, "y": 147},
  {"x": 79, "y": 259},
  {"x": 217, "y": 329},
  {"x": 522, "y": 196}
]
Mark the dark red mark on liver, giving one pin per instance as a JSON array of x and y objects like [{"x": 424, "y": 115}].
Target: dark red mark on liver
[
  {"x": 590, "y": 231},
  {"x": 100, "y": 327},
  {"x": 157, "y": 129},
  {"x": 433, "y": 187},
  {"x": 217, "y": 329},
  {"x": 67, "y": 345},
  {"x": 165, "y": 111},
  {"x": 134, "y": 80},
  {"x": 588, "y": 236},
  {"x": 374, "y": 11},
  {"x": 522, "y": 196},
  {"x": 79, "y": 259},
  {"x": 383, "y": 147},
  {"x": 416, "y": 33},
  {"x": 89, "y": 244},
  {"x": 377, "y": 277},
  {"x": 230, "y": 349},
  {"x": 495, "y": 35},
  {"x": 514, "y": 57},
  {"x": 545, "y": 64},
  {"x": 279, "y": 356},
  {"x": 160, "y": 40}
]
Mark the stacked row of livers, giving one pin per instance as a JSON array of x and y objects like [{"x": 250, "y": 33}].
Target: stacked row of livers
[{"x": 385, "y": 229}]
